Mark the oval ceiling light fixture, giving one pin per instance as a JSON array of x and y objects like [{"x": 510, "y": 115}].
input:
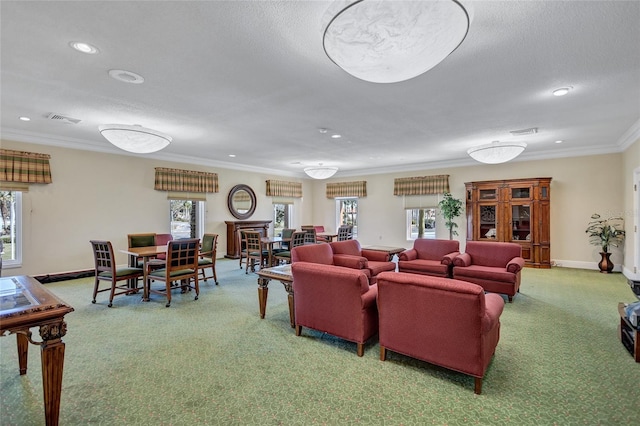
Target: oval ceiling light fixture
[
  {"x": 388, "y": 41},
  {"x": 136, "y": 139},
  {"x": 84, "y": 47},
  {"x": 561, "y": 91},
  {"x": 126, "y": 76},
  {"x": 24, "y": 118},
  {"x": 496, "y": 152},
  {"x": 320, "y": 171}
]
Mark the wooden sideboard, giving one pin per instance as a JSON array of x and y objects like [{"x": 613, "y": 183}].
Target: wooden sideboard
[{"x": 233, "y": 238}]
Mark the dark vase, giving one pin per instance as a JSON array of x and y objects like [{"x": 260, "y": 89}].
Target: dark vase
[{"x": 605, "y": 265}]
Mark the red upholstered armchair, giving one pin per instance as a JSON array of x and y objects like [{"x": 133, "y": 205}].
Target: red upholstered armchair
[
  {"x": 322, "y": 253},
  {"x": 429, "y": 257},
  {"x": 335, "y": 300},
  {"x": 495, "y": 266},
  {"x": 445, "y": 322},
  {"x": 376, "y": 261}
]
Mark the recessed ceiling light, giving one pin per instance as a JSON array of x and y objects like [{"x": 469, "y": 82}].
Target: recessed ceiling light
[
  {"x": 559, "y": 141},
  {"x": 84, "y": 47},
  {"x": 561, "y": 91},
  {"x": 322, "y": 130},
  {"x": 336, "y": 136},
  {"x": 23, "y": 118},
  {"x": 232, "y": 155},
  {"x": 126, "y": 76}
]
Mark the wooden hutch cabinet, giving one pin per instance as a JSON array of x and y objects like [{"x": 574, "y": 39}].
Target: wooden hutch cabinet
[{"x": 515, "y": 210}]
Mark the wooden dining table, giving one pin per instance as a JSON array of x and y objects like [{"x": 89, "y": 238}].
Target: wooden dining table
[
  {"x": 269, "y": 242},
  {"x": 146, "y": 253}
]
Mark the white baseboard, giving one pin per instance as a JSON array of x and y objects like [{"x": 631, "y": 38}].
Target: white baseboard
[{"x": 581, "y": 265}]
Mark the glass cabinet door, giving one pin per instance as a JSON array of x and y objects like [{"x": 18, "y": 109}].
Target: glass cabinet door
[
  {"x": 522, "y": 193},
  {"x": 521, "y": 223},
  {"x": 488, "y": 222}
]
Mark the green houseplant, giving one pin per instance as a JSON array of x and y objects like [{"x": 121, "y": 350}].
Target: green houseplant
[
  {"x": 450, "y": 208},
  {"x": 605, "y": 233}
]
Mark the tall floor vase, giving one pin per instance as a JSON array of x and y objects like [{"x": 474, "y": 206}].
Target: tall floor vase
[{"x": 605, "y": 265}]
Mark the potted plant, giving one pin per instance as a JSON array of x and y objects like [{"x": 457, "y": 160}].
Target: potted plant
[
  {"x": 450, "y": 208},
  {"x": 605, "y": 233}
]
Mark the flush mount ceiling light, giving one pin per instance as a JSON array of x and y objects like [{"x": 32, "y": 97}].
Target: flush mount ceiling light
[
  {"x": 136, "y": 139},
  {"x": 84, "y": 47},
  {"x": 497, "y": 152},
  {"x": 126, "y": 76},
  {"x": 561, "y": 91},
  {"x": 320, "y": 171},
  {"x": 387, "y": 41}
]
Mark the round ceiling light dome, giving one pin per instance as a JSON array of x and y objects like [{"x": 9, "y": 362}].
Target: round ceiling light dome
[{"x": 126, "y": 76}]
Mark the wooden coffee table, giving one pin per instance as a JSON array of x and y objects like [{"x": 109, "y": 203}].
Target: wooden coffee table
[{"x": 283, "y": 274}]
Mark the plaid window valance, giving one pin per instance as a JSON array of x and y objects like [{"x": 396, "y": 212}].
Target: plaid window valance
[
  {"x": 421, "y": 185},
  {"x": 185, "y": 180},
  {"x": 24, "y": 167},
  {"x": 347, "y": 189},
  {"x": 280, "y": 188}
]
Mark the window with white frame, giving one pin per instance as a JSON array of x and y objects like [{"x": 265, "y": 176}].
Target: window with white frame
[
  {"x": 421, "y": 223},
  {"x": 347, "y": 213},
  {"x": 11, "y": 232},
  {"x": 282, "y": 213},
  {"x": 187, "y": 218}
]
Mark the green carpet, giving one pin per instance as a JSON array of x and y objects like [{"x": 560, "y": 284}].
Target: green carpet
[{"x": 214, "y": 361}]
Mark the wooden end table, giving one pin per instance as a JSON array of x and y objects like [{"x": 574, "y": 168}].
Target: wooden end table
[{"x": 283, "y": 274}]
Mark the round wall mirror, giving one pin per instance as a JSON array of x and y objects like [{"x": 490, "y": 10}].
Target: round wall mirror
[{"x": 241, "y": 202}]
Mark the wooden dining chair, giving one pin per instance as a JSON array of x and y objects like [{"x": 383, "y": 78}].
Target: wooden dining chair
[
  {"x": 255, "y": 251},
  {"x": 140, "y": 240},
  {"x": 182, "y": 265},
  {"x": 207, "y": 255},
  {"x": 106, "y": 270},
  {"x": 297, "y": 239},
  {"x": 345, "y": 232}
]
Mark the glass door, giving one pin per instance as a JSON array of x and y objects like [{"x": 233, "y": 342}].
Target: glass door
[
  {"x": 521, "y": 223},
  {"x": 488, "y": 221}
]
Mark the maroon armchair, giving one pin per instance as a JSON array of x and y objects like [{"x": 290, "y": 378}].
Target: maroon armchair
[
  {"x": 493, "y": 265},
  {"x": 335, "y": 300},
  {"x": 322, "y": 253},
  {"x": 376, "y": 261},
  {"x": 445, "y": 322},
  {"x": 429, "y": 257}
]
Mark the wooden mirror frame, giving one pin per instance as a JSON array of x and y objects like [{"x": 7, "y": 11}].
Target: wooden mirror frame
[{"x": 252, "y": 207}]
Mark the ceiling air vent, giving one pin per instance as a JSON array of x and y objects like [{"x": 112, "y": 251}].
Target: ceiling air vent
[
  {"x": 524, "y": 132},
  {"x": 63, "y": 118}
]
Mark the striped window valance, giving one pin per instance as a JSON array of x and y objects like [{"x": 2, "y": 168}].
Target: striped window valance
[
  {"x": 178, "y": 180},
  {"x": 23, "y": 167},
  {"x": 347, "y": 189},
  {"x": 281, "y": 188},
  {"x": 421, "y": 185}
]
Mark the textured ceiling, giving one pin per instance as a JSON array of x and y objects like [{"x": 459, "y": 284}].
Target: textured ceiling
[{"x": 251, "y": 78}]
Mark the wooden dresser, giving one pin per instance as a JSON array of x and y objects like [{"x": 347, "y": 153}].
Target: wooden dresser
[{"x": 233, "y": 238}]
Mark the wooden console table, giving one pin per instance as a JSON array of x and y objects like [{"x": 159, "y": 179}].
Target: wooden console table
[
  {"x": 25, "y": 303},
  {"x": 234, "y": 245}
]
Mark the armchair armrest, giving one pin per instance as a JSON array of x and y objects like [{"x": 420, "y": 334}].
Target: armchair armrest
[
  {"x": 350, "y": 261},
  {"x": 409, "y": 254},
  {"x": 493, "y": 309},
  {"x": 463, "y": 259},
  {"x": 376, "y": 256},
  {"x": 515, "y": 265},
  {"x": 448, "y": 258},
  {"x": 370, "y": 297}
]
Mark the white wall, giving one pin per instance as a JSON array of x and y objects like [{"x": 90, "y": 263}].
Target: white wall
[{"x": 107, "y": 196}]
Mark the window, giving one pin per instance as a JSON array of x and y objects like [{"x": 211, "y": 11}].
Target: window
[
  {"x": 11, "y": 232},
  {"x": 347, "y": 213},
  {"x": 281, "y": 217},
  {"x": 421, "y": 223},
  {"x": 187, "y": 218}
]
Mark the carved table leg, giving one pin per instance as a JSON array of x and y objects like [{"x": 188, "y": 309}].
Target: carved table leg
[
  {"x": 263, "y": 291},
  {"x": 288, "y": 286},
  {"x": 23, "y": 351},
  {"x": 52, "y": 358}
]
